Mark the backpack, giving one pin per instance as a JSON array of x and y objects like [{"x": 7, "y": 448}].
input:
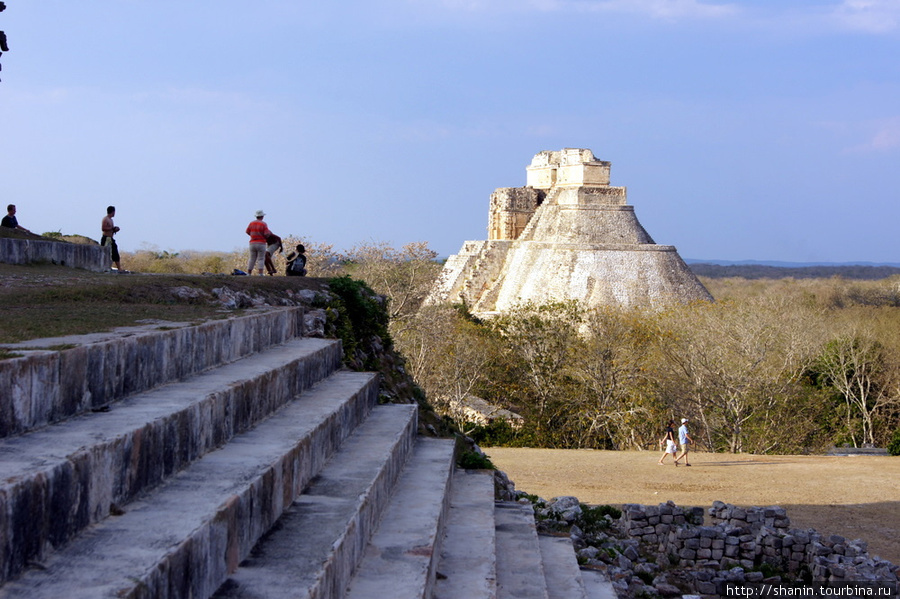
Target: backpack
[{"x": 296, "y": 264}]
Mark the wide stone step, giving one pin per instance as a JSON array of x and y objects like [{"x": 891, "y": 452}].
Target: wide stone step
[
  {"x": 561, "y": 571},
  {"x": 47, "y": 385},
  {"x": 597, "y": 585},
  {"x": 401, "y": 558},
  {"x": 56, "y": 481},
  {"x": 467, "y": 565},
  {"x": 520, "y": 571},
  {"x": 183, "y": 539},
  {"x": 320, "y": 539}
]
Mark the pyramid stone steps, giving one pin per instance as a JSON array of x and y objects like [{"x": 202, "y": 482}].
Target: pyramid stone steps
[
  {"x": 520, "y": 570},
  {"x": 401, "y": 558},
  {"x": 467, "y": 565},
  {"x": 315, "y": 546},
  {"x": 561, "y": 568},
  {"x": 46, "y": 386},
  {"x": 182, "y": 539},
  {"x": 56, "y": 481},
  {"x": 597, "y": 585}
]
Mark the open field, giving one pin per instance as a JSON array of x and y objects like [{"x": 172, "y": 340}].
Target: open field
[{"x": 857, "y": 497}]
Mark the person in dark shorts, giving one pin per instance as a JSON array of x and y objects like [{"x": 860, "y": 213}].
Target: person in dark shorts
[
  {"x": 273, "y": 246},
  {"x": 109, "y": 229}
]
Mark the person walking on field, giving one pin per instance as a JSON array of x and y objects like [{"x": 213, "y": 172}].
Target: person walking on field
[
  {"x": 258, "y": 230},
  {"x": 668, "y": 443},
  {"x": 684, "y": 439}
]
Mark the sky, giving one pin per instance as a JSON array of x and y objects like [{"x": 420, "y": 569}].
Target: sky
[{"x": 746, "y": 130}]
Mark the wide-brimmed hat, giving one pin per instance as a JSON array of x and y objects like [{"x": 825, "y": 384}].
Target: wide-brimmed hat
[{"x": 260, "y": 214}]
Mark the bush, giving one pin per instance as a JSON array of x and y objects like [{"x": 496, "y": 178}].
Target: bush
[
  {"x": 472, "y": 460},
  {"x": 894, "y": 446},
  {"x": 499, "y": 433},
  {"x": 593, "y": 519},
  {"x": 362, "y": 317}
]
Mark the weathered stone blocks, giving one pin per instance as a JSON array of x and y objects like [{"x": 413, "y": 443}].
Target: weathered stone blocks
[
  {"x": 28, "y": 251},
  {"x": 48, "y": 386},
  {"x": 91, "y": 465}
]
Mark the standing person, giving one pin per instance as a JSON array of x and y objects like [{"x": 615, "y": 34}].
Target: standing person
[
  {"x": 258, "y": 230},
  {"x": 10, "y": 220},
  {"x": 668, "y": 442},
  {"x": 273, "y": 246},
  {"x": 109, "y": 229},
  {"x": 296, "y": 263},
  {"x": 684, "y": 439}
]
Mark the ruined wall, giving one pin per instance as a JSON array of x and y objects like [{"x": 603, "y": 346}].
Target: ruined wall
[
  {"x": 30, "y": 251},
  {"x": 747, "y": 538},
  {"x": 511, "y": 209}
]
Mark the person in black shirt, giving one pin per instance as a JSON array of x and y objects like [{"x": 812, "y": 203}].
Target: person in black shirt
[{"x": 10, "y": 220}]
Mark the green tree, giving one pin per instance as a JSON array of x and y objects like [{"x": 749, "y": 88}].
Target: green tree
[
  {"x": 405, "y": 276},
  {"x": 538, "y": 343}
]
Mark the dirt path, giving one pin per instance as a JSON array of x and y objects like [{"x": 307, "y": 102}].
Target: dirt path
[{"x": 857, "y": 497}]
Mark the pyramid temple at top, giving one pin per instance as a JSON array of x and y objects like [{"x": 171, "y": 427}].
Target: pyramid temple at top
[{"x": 566, "y": 235}]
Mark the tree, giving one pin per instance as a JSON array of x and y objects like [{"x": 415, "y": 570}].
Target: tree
[
  {"x": 855, "y": 365},
  {"x": 734, "y": 362},
  {"x": 617, "y": 405},
  {"x": 538, "y": 343},
  {"x": 448, "y": 354},
  {"x": 405, "y": 276}
]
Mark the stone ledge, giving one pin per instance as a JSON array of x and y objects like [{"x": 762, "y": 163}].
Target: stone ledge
[{"x": 30, "y": 251}]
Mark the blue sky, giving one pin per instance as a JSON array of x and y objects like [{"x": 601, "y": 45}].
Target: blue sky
[{"x": 766, "y": 130}]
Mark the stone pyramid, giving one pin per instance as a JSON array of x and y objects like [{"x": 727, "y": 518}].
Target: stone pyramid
[{"x": 566, "y": 235}]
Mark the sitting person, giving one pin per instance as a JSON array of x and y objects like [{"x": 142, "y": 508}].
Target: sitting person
[
  {"x": 296, "y": 262},
  {"x": 9, "y": 221}
]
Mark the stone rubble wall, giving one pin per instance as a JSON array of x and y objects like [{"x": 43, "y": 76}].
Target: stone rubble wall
[
  {"x": 46, "y": 386},
  {"x": 74, "y": 255},
  {"x": 747, "y": 538}
]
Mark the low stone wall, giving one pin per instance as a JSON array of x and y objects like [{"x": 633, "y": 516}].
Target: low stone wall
[
  {"x": 44, "y": 386},
  {"x": 748, "y": 538},
  {"x": 29, "y": 251}
]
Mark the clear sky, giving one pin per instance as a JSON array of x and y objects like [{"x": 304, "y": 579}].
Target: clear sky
[{"x": 755, "y": 129}]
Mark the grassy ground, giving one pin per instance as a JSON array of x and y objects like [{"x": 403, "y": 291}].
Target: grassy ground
[{"x": 39, "y": 301}]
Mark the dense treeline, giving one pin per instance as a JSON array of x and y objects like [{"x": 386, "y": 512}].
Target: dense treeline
[
  {"x": 781, "y": 366},
  {"x": 763, "y": 271},
  {"x": 774, "y": 365}
]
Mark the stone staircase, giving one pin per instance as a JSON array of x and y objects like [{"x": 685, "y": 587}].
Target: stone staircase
[{"x": 262, "y": 472}]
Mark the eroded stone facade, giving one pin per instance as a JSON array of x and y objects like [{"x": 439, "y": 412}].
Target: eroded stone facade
[{"x": 568, "y": 234}]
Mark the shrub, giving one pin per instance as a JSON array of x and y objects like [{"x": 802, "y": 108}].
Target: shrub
[
  {"x": 472, "y": 460},
  {"x": 894, "y": 445}
]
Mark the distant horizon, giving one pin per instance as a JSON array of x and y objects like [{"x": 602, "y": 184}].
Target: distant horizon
[{"x": 784, "y": 264}]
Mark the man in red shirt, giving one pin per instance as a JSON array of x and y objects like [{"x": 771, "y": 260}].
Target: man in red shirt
[{"x": 258, "y": 230}]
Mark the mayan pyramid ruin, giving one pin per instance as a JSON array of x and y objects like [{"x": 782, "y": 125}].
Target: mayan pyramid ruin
[{"x": 566, "y": 235}]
